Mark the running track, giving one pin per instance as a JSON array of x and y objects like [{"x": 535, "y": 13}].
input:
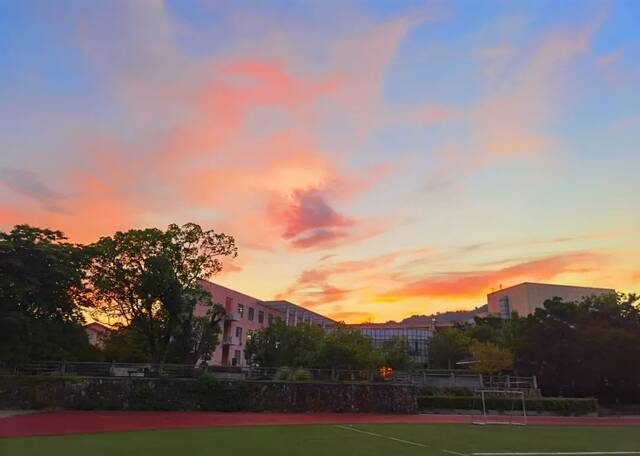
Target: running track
[{"x": 76, "y": 422}]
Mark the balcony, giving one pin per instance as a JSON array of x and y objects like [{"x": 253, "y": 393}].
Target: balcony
[
  {"x": 233, "y": 316},
  {"x": 231, "y": 340}
]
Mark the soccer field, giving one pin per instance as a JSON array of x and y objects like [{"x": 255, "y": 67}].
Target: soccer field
[{"x": 339, "y": 440}]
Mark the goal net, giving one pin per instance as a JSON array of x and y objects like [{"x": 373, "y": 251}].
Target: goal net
[{"x": 501, "y": 407}]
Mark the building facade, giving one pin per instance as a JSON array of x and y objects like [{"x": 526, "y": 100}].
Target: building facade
[
  {"x": 245, "y": 315},
  {"x": 526, "y": 297},
  {"x": 97, "y": 333}
]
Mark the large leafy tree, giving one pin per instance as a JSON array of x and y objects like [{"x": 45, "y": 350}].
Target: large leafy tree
[
  {"x": 396, "y": 353},
  {"x": 489, "y": 358},
  {"x": 310, "y": 346},
  {"x": 148, "y": 280},
  {"x": 590, "y": 347},
  {"x": 42, "y": 278},
  {"x": 281, "y": 345},
  {"x": 347, "y": 348},
  {"x": 446, "y": 347}
]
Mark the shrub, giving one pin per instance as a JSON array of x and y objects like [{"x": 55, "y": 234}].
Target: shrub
[
  {"x": 283, "y": 374},
  {"x": 302, "y": 375},
  {"x": 558, "y": 405}
]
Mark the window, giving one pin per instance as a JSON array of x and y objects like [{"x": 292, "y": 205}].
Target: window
[
  {"x": 236, "y": 358},
  {"x": 241, "y": 310},
  {"x": 505, "y": 314},
  {"x": 251, "y": 313},
  {"x": 261, "y": 316},
  {"x": 270, "y": 319},
  {"x": 239, "y": 334}
]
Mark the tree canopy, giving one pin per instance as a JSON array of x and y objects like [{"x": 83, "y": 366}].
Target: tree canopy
[
  {"x": 42, "y": 279},
  {"x": 148, "y": 280},
  {"x": 310, "y": 346}
]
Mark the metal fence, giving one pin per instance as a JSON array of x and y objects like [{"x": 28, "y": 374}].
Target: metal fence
[{"x": 437, "y": 379}]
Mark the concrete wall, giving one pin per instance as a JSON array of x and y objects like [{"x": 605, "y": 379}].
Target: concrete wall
[{"x": 527, "y": 297}]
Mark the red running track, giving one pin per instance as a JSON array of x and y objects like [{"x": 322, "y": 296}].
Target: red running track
[{"x": 76, "y": 422}]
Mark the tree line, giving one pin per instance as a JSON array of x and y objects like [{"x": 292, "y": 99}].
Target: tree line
[
  {"x": 144, "y": 281},
  {"x": 586, "y": 348},
  {"x": 310, "y": 346}
]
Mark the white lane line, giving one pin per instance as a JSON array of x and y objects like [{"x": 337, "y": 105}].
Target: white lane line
[
  {"x": 406, "y": 442},
  {"x": 453, "y": 452},
  {"x": 558, "y": 453}
]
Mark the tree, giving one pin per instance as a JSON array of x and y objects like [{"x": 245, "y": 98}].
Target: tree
[
  {"x": 281, "y": 345},
  {"x": 589, "y": 347},
  {"x": 42, "y": 282},
  {"x": 446, "y": 347},
  {"x": 149, "y": 280},
  {"x": 395, "y": 353},
  {"x": 309, "y": 346},
  {"x": 490, "y": 359},
  {"x": 346, "y": 348}
]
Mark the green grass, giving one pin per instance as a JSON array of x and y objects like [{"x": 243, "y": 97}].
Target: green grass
[{"x": 331, "y": 440}]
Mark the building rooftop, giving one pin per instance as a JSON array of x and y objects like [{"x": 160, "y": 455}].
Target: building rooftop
[{"x": 552, "y": 285}]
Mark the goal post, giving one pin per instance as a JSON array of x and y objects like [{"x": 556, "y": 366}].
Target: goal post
[{"x": 511, "y": 402}]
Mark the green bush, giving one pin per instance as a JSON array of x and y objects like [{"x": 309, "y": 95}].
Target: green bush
[
  {"x": 557, "y": 405},
  {"x": 302, "y": 375},
  {"x": 283, "y": 374}
]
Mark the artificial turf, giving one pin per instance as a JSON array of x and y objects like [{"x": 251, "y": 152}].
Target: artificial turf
[{"x": 333, "y": 441}]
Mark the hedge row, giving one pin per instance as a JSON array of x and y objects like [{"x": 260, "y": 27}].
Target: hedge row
[{"x": 555, "y": 405}]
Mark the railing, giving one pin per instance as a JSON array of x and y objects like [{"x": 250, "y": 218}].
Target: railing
[
  {"x": 97, "y": 369},
  {"x": 508, "y": 382},
  {"x": 418, "y": 378}
]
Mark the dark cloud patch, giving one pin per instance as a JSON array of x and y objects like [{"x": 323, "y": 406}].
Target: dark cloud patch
[{"x": 30, "y": 185}]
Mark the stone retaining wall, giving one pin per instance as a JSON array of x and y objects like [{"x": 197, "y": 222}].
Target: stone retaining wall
[{"x": 203, "y": 394}]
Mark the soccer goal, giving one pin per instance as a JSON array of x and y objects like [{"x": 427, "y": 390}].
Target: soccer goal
[{"x": 510, "y": 402}]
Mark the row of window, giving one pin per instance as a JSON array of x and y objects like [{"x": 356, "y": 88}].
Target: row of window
[
  {"x": 388, "y": 333},
  {"x": 251, "y": 314}
]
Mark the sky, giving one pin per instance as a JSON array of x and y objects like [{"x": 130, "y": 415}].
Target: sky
[{"x": 373, "y": 160}]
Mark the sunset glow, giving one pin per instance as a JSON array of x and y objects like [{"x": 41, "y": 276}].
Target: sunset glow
[{"x": 373, "y": 160}]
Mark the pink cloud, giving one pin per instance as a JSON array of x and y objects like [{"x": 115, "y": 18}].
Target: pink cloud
[{"x": 477, "y": 283}]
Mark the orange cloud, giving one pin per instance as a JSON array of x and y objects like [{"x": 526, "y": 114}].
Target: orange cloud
[{"x": 478, "y": 283}]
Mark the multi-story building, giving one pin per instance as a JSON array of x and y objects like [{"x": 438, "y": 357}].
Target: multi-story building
[
  {"x": 97, "y": 333},
  {"x": 295, "y": 315},
  {"x": 526, "y": 297},
  {"x": 246, "y": 314}
]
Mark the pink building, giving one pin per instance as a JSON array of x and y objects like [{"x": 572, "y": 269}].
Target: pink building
[
  {"x": 526, "y": 297},
  {"x": 246, "y": 314},
  {"x": 96, "y": 333}
]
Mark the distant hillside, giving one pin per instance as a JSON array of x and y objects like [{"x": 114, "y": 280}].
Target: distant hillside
[{"x": 446, "y": 317}]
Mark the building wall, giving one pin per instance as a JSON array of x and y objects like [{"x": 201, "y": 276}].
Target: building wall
[
  {"x": 96, "y": 334},
  {"x": 525, "y": 298},
  {"x": 243, "y": 317}
]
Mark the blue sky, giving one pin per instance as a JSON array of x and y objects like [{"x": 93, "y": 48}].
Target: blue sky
[{"x": 373, "y": 159}]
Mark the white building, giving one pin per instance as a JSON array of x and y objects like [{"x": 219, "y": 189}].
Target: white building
[{"x": 526, "y": 297}]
